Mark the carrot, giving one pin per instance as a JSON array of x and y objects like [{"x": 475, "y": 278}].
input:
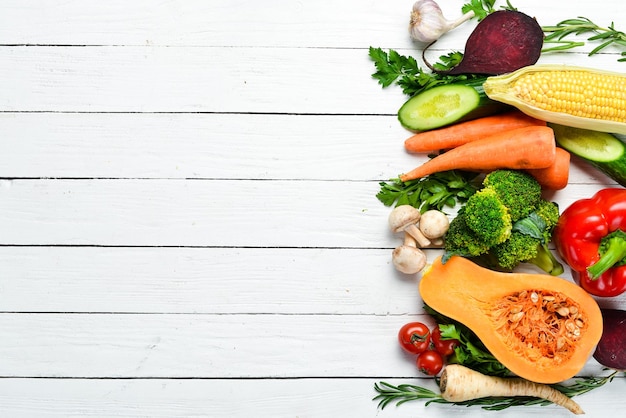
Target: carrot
[
  {"x": 455, "y": 135},
  {"x": 522, "y": 148},
  {"x": 459, "y": 383},
  {"x": 556, "y": 176}
]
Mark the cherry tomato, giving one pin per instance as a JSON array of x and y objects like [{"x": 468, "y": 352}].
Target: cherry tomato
[
  {"x": 444, "y": 347},
  {"x": 414, "y": 337},
  {"x": 429, "y": 362}
]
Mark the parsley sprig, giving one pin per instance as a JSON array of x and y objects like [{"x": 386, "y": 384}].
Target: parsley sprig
[
  {"x": 436, "y": 191},
  {"x": 471, "y": 352},
  {"x": 404, "y": 71},
  {"x": 481, "y": 8}
]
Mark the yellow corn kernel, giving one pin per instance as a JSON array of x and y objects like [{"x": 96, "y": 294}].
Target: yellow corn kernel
[{"x": 571, "y": 96}]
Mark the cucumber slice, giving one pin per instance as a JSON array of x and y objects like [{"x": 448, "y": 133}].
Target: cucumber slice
[
  {"x": 602, "y": 150},
  {"x": 447, "y": 104}
]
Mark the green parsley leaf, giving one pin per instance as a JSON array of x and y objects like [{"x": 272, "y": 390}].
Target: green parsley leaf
[
  {"x": 436, "y": 191},
  {"x": 471, "y": 352},
  {"x": 392, "y": 67},
  {"x": 404, "y": 71},
  {"x": 481, "y": 8}
]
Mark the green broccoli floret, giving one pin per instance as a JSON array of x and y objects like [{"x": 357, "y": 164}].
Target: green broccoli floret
[
  {"x": 506, "y": 223},
  {"x": 517, "y": 190},
  {"x": 517, "y": 249},
  {"x": 549, "y": 212},
  {"x": 462, "y": 241},
  {"x": 488, "y": 217},
  {"x": 541, "y": 222},
  {"x": 529, "y": 241}
]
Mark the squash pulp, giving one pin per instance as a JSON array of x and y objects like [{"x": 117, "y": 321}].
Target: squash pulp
[{"x": 542, "y": 328}]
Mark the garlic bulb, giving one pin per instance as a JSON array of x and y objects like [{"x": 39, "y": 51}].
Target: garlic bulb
[{"x": 427, "y": 22}]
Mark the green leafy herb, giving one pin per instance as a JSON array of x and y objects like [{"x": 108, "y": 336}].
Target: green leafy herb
[
  {"x": 471, "y": 352},
  {"x": 435, "y": 191},
  {"x": 404, "y": 71},
  {"x": 400, "y": 394},
  {"x": 606, "y": 36},
  {"x": 448, "y": 61},
  {"x": 388, "y": 393},
  {"x": 481, "y": 8}
]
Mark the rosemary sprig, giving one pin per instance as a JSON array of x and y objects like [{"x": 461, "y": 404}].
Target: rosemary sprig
[
  {"x": 607, "y": 36},
  {"x": 388, "y": 393}
]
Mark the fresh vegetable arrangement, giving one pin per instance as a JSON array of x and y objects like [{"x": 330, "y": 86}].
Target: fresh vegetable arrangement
[{"x": 498, "y": 129}]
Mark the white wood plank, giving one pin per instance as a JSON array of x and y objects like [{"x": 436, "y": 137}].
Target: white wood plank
[
  {"x": 241, "y": 146},
  {"x": 202, "y": 213},
  {"x": 277, "y": 23},
  {"x": 213, "y": 146},
  {"x": 191, "y": 213},
  {"x": 233, "y": 398},
  {"x": 204, "y": 280},
  {"x": 192, "y": 79},
  {"x": 211, "y": 281},
  {"x": 207, "y": 346},
  {"x": 210, "y": 346}
]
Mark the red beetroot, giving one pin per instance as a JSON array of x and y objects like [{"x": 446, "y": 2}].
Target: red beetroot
[
  {"x": 611, "y": 349},
  {"x": 502, "y": 42}
]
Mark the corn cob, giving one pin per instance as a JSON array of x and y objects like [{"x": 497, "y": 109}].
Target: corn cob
[{"x": 571, "y": 96}]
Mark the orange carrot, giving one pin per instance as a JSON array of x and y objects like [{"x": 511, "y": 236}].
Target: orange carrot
[
  {"x": 520, "y": 149},
  {"x": 556, "y": 176},
  {"x": 462, "y": 133}
]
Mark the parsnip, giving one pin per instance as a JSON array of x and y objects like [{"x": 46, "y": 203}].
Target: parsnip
[{"x": 459, "y": 383}]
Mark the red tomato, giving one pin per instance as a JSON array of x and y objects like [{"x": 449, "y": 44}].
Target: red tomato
[
  {"x": 444, "y": 347},
  {"x": 414, "y": 337},
  {"x": 430, "y": 362}
]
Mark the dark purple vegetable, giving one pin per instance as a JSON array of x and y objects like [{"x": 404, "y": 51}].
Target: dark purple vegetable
[
  {"x": 611, "y": 350},
  {"x": 502, "y": 42}
]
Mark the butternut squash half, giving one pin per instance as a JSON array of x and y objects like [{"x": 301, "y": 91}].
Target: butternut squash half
[{"x": 542, "y": 328}]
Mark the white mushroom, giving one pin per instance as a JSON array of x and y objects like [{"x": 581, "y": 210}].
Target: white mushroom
[
  {"x": 434, "y": 224},
  {"x": 407, "y": 258},
  {"x": 405, "y": 218}
]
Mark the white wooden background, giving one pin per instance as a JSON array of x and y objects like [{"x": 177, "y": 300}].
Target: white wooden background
[{"x": 187, "y": 207}]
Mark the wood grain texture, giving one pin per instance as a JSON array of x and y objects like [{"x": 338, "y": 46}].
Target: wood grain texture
[
  {"x": 277, "y": 398},
  {"x": 214, "y": 147},
  {"x": 205, "y": 281},
  {"x": 195, "y": 79},
  {"x": 227, "y": 213},
  {"x": 224, "y": 23},
  {"x": 208, "y": 346}
]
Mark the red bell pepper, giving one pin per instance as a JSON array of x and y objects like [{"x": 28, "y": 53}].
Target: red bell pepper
[{"x": 591, "y": 237}]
